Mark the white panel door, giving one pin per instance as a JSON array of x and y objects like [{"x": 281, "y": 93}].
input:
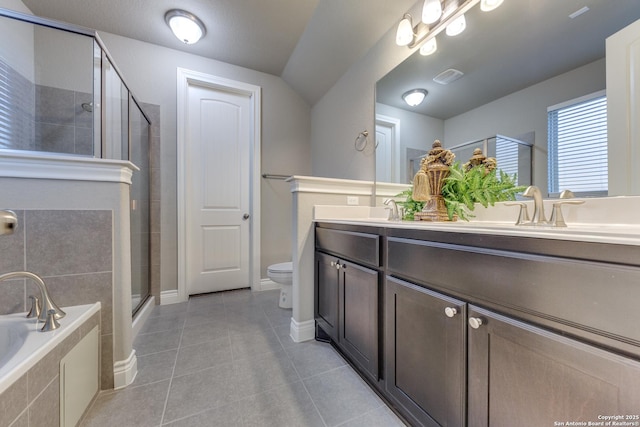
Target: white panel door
[
  {"x": 217, "y": 192},
  {"x": 384, "y": 153}
]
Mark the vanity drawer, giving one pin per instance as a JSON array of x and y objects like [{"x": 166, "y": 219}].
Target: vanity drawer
[
  {"x": 562, "y": 293},
  {"x": 355, "y": 246}
]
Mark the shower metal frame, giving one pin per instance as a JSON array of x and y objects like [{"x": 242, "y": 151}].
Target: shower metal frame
[{"x": 76, "y": 29}]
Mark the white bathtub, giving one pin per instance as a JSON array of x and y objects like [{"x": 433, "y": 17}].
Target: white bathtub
[{"x": 22, "y": 345}]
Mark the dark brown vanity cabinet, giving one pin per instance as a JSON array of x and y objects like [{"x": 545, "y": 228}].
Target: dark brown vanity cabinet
[
  {"x": 425, "y": 354},
  {"x": 483, "y": 330},
  {"x": 523, "y": 375},
  {"x": 326, "y": 303},
  {"x": 347, "y": 294}
]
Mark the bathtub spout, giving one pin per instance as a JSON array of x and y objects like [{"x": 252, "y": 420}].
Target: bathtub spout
[{"x": 47, "y": 302}]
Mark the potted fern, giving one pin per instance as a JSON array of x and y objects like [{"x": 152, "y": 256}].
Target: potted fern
[{"x": 463, "y": 188}]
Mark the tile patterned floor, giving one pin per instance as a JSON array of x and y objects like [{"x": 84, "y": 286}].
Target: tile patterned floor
[{"x": 227, "y": 360}]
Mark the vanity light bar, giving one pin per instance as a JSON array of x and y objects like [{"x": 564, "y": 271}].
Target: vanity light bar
[{"x": 413, "y": 36}]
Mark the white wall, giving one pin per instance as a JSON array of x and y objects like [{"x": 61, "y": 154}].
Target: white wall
[
  {"x": 150, "y": 72},
  {"x": 525, "y": 111},
  {"x": 64, "y": 60},
  {"x": 347, "y": 109},
  {"x": 416, "y": 131}
]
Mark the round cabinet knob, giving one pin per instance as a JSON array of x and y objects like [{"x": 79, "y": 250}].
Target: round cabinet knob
[
  {"x": 475, "y": 322},
  {"x": 338, "y": 266},
  {"x": 450, "y": 311},
  {"x": 333, "y": 263},
  {"x": 245, "y": 216}
]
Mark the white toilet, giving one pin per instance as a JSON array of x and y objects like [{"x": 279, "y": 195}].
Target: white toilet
[{"x": 282, "y": 274}]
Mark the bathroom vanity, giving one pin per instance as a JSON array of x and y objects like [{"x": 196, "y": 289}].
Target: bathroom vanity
[{"x": 461, "y": 326}]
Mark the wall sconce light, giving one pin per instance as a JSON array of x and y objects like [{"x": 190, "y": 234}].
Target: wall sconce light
[
  {"x": 429, "y": 47},
  {"x": 438, "y": 15},
  {"x": 404, "y": 34},
  {"x": 431, "y": 11},
  {"x": 414, "y": 97},
  {"x": 489, "y": 5},
  {"x": 457, "y": 26},
  {"x": 185, "y": 26}
]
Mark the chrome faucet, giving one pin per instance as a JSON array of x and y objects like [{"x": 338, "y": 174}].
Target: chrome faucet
[
  {"x": 48, "y": 306},
  {"x": 538, "y": 206},
  {"x": 394, "y": 215},
  {"x": 557, "y": 219}
]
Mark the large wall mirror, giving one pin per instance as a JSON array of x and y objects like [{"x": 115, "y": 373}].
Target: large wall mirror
[{"x": 516, "y": 61}]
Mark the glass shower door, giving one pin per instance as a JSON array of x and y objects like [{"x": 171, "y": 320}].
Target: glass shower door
[{"x": 140, "y": 207}]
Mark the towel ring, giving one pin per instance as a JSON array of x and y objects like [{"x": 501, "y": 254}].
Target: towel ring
[{"x": 361, "y": 140}]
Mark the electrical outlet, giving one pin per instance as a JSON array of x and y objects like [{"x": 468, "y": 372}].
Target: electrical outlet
[{"x": 352, "y": 200}]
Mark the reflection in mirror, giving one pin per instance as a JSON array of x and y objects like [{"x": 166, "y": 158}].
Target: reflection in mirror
[
  {"x": 516, "y": 61},
  {"x": 46, "y": 89},
  {"x": 514, "y": 155}
]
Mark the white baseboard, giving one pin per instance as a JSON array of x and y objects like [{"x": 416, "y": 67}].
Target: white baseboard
[
  {"x": 125, "y": 371},
  {"x": 267, "y": 285},
  {"x": 142, "y": 315},
  {"x": 170, "y": 297},
  {"x": 302, "y": 331}
]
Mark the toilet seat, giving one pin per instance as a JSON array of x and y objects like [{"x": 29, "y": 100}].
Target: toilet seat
[{"x": 283, "y": 267}]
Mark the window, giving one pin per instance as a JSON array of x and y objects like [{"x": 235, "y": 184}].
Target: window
[
  {"x": 577, "y": 132},
  {"x": 507, "y": 155}
]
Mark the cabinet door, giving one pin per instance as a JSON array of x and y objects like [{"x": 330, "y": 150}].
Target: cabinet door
[
  {"x": 326, "y": 283},
  {"x": 359, "y": 315},
  {"x": 425, "y": 354},
  {"x": 520, "y": 375}
]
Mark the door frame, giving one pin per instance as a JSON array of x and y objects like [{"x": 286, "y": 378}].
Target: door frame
[{"x": 185, "y": 79}]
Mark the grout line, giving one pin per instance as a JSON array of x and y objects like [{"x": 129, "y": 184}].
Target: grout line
[
  {"x": 173, "y": 370},
  {"x": 313, "y": 402}
]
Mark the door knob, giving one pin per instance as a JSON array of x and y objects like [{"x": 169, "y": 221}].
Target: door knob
[
  {"x": 450, "y": 311},
  {"x": 245, "y": 216},
  {"x": 475, "y": 322}
]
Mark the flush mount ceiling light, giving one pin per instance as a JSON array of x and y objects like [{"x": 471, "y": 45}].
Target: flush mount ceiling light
[
  {"x": 186, "y": 26},
  {"x": 414, "y": 97},
  {"x": 438, "y": 15}
]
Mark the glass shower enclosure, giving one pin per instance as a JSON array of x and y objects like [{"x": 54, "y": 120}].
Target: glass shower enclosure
[{"x": 61, "y": 94}]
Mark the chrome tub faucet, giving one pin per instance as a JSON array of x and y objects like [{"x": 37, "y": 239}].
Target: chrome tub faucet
[{"x": 48, "y": 306}]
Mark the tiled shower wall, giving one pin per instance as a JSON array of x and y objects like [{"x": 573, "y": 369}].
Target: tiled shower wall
[
  {"x": 72, "y": 251},
  {"x": 153, "y": 113},
  {"x": 42, "y": 118}
]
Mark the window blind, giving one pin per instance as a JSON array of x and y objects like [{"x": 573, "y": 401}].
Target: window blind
[
  {"x": 507, "y": 155},
  {"x": 577, "y": 148}
]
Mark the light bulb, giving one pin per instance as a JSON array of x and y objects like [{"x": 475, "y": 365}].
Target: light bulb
[
  {"x": 456, "y": 26},
  {"x": 404, "y": 34},
  {"x": 489, "y": 5},
  {"x": 429, "y": 47},
  {"x": 431, "y": 11}
]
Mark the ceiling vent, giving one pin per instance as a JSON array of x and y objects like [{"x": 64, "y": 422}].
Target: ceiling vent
[{"x": 448, "y": 76}]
